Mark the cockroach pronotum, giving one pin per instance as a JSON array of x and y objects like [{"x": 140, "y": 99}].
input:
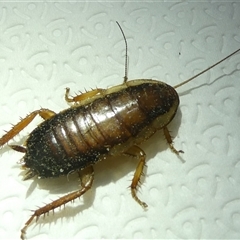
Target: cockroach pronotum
[{"x": 100, "y": 123}]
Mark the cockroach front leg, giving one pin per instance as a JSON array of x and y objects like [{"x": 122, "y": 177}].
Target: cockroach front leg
[
  {"x": 44, "y": 113},
  {"x": 170, "y": 141},
  {"x": 86, "y": 183},
  {"x": 82, "y": 96},
  {"x": 135, "y": 151}
]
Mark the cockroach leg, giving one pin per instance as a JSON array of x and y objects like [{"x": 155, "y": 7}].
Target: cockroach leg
[
  {"x": 86, "y": 182},
  {"x": 170, "y": 141},
  {"x": 82, "y": 96},
  {"x": 135, "y": 151},
  {"x": 44, "y": 113}
]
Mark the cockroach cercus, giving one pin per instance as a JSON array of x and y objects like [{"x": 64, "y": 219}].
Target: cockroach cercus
[{"x": 100, "y": 123}]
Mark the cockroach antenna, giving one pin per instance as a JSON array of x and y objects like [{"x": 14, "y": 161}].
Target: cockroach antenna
[
  {"x": 126, "y": 56},
  {"x": 190, "y": 79}
]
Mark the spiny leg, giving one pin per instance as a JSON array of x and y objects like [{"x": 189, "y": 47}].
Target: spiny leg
[
  {"x": 170, "y": 141},
  {"x": 135, "y": 151},
  {"x": 44, "y": 113},
  {"x": 86, "y": 182},
  {"x": 82, "y": 96}
]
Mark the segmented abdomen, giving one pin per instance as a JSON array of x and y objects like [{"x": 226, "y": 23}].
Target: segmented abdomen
[{"x": 78, "y": 136}]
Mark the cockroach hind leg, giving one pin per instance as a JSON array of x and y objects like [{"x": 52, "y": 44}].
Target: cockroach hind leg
[
  {"x": 44, "y": 113},
  {"x": 61, "y": 201},
  {"x": 135, "y": 151}
]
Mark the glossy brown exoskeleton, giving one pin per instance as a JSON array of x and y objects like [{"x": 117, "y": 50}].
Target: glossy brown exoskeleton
[{"x": 112, "y": 123}]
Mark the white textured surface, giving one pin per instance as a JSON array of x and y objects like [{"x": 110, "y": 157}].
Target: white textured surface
[{"x": 46, "y": 47}]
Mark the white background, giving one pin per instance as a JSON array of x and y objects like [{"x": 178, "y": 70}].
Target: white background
[{"x": 46, "y": 47}]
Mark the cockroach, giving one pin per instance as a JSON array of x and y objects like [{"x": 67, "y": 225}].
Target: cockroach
[{"x": 100, "y": 123}]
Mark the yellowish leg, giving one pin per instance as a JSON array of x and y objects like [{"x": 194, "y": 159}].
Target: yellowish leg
[
  {"x": 135, "y": 151},
  {"x": 82, "y": 96},
  {"x": 86, "y": 182},
  {"x": 44, "y": 113},
  {"x": 170, "y": 141}
]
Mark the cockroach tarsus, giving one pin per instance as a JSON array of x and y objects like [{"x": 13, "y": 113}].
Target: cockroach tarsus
[{"x": 100, "y": 123}]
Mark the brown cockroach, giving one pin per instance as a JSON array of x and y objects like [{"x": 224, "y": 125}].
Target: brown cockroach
[{"x": 100, "y": 123}]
